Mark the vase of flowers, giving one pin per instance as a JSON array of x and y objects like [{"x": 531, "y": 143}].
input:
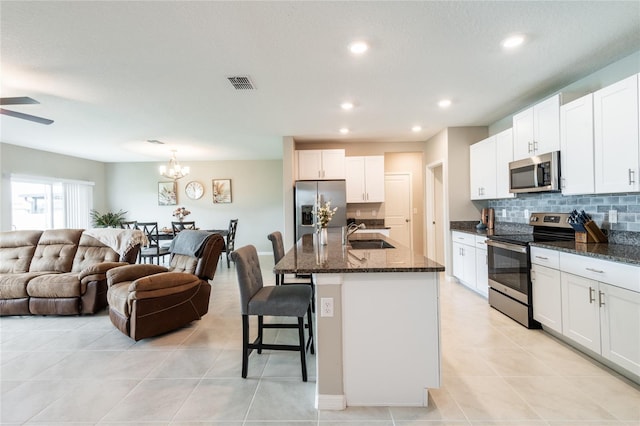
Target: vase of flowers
[
  {"x": 180, "y": 213},
  {"x": 324, "y": 214}
]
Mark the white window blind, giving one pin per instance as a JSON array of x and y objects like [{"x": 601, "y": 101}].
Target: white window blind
[{"x": 39, "y": 202}]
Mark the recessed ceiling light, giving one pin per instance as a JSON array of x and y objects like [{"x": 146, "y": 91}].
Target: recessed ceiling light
[
  {"x": 513, "y": 41},
  {"x": 346, "y": 106},
  {"x": 358, "y": 47},
  {"x": 416, "y": 128},
  {"x": 444, "y": 103},
  {"x": 344, "y": 130}
]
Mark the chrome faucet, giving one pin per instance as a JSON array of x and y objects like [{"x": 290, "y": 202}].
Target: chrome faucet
[{"x": 348, "y": 230}]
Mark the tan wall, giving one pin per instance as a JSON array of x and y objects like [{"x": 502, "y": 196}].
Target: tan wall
[
  {"x": 25, "y": 161},
  {"x": 257, "y": 197},
  {"x": 459, "y": 140}
]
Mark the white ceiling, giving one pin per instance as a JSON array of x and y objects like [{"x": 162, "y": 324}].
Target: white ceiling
[{"x": 114, "y": 74}]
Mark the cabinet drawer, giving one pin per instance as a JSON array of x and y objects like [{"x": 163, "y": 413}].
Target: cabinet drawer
[
  {"x": 545, "y": 257},
  {"x": 614, "y": 273},
  {"x": 463, "y": 238}
]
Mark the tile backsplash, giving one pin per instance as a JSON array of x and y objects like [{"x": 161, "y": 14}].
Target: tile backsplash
[{"x": 598, "y": 206}]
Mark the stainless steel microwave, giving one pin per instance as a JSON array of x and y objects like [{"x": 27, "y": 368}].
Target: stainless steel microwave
[{"x": 535, "y": 174}]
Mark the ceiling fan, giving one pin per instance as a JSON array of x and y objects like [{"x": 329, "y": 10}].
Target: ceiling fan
[{"x": 22, "y": 100}]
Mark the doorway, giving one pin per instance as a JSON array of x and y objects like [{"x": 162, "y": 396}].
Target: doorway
[
  {"x": 435, "y": 212},
  {"x": 398, "y": 202}
]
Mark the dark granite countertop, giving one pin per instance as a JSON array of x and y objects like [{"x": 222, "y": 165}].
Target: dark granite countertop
[
  {"x": 624, "y": 253},
  {"x": 307, "y": 256},
  {"x": 614, "y": 252}
]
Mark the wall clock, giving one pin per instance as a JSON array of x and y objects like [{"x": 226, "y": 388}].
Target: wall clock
[{"x": 194, "y": 190}]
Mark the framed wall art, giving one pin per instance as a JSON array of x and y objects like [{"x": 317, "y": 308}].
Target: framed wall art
[
  {"x": 167, "y": 194},
  {"x": 221, "y": 191}
]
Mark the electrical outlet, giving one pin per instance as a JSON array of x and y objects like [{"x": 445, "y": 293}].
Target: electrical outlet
[
  {"x": 326, "y": 306},
  {"x": 504, "y": 212},
  {"x": 358, "y": 213},
  {"x": 526, "y": 213},
  {"x": 613, "y": 216},
  {"x": 374, "y": 213}
]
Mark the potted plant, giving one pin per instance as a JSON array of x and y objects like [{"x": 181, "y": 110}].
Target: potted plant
[{"x": 107, "y": 220}]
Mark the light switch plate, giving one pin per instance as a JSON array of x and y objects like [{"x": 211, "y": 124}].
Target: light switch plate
[{"x": 613, "y": 216}]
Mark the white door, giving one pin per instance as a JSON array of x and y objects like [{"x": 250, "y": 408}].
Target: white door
[
  {"x": 397, "y": 206},
  {"x": 547, "y": 297}
]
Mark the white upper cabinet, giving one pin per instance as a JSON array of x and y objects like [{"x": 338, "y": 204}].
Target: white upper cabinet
[
  {"x": 365, "y": 179},
  {"x": 489, "y": 166},
  {"x": 321, "y": 164},
  {"x": 482, "y": 160},
  {"x": 504, "y": 155},
  {"x": 615, "y": 122},
  {"x": 576, "y": 146},
  {"x": 537, "y": 130}
]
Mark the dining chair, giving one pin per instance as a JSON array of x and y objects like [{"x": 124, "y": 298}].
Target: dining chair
[
  {"x": 230, "y": 240},
  {"x": 131, "y": 224},
  {"x": 278, "y": 253},
  {"x": 181, "y": 226},
  {"x": 154, "y": 249},
  {"x": 277, "y": 301}
]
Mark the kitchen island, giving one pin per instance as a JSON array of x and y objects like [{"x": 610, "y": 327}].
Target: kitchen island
[{"x": 377, "y": 318}]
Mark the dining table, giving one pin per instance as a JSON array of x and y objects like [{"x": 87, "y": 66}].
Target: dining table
[{"x": 165, "y": 234}]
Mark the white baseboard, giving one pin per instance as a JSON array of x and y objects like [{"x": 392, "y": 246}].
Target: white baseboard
[{"x": 330, "y": 402}]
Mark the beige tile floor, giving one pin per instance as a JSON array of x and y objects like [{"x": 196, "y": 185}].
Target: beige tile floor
[{"x": 81, "y": 371}]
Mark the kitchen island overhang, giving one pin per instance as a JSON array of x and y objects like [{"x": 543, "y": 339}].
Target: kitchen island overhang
[{"x": 381, "y": 347}]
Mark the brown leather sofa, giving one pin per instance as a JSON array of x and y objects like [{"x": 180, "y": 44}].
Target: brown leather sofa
[
  {"x": 57, "y": 271},
  {"x": 146, "y": 300}
]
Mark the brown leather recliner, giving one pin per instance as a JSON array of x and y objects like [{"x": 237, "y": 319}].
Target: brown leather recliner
[{"x": 146, "y": 300}]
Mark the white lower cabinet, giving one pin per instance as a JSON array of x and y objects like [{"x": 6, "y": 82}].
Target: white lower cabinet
[
  {"x": 470, "y": 261},
  {"x": 482, "y": 266},
  {"x": 580, "y": 311},
  {"x": 594, "y": 303},
  {"x": 545, "y": 283},
  {"x": 547, "y": 309},
  {"x": 620, "y": 326}
]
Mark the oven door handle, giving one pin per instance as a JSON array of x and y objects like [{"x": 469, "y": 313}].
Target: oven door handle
[{"x": 507, "y": 246}]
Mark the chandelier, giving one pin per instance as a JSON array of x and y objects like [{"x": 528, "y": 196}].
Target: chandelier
[{"x": 175, "y": 171}]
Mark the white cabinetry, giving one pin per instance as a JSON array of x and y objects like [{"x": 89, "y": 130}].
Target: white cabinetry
[
  {"x": 464, "y": 258},
  {"x": 576, "y": 146},
  {"x": 580, "y": 312},
  {"x": 365, "y": 179},
  {"x": 489, "y": 166},
  {"x": 470, "y": 261},
  {"x": 537, "y": 130},
  {"x": 504, "y": 155},
  {"x": 321, "y": 164},
  {"x": 482, "y": 161},
  {"x": 482, "y": 266},
  {"x": 545, "y": 281},
  {"x": 601, "y": 308},
  {"x": 616, "y": 137}
]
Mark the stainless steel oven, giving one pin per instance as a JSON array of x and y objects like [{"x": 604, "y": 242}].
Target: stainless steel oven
[{"x": 509, "y": 265}]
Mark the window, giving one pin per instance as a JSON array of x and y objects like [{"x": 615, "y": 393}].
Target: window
[{"x": 42, "y": 203}]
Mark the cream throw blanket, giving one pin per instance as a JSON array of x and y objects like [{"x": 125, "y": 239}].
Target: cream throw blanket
[{"x": 120, "y": 240}]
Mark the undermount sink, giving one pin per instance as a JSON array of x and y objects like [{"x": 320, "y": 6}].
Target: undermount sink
[{"x": 369, "y": 244}]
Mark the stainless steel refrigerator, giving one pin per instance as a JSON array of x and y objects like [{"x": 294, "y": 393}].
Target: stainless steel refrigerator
[{"x": 309, "y": 194}]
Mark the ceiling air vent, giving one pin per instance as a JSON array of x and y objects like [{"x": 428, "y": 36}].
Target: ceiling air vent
[{"x": 241, "y": 83}]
